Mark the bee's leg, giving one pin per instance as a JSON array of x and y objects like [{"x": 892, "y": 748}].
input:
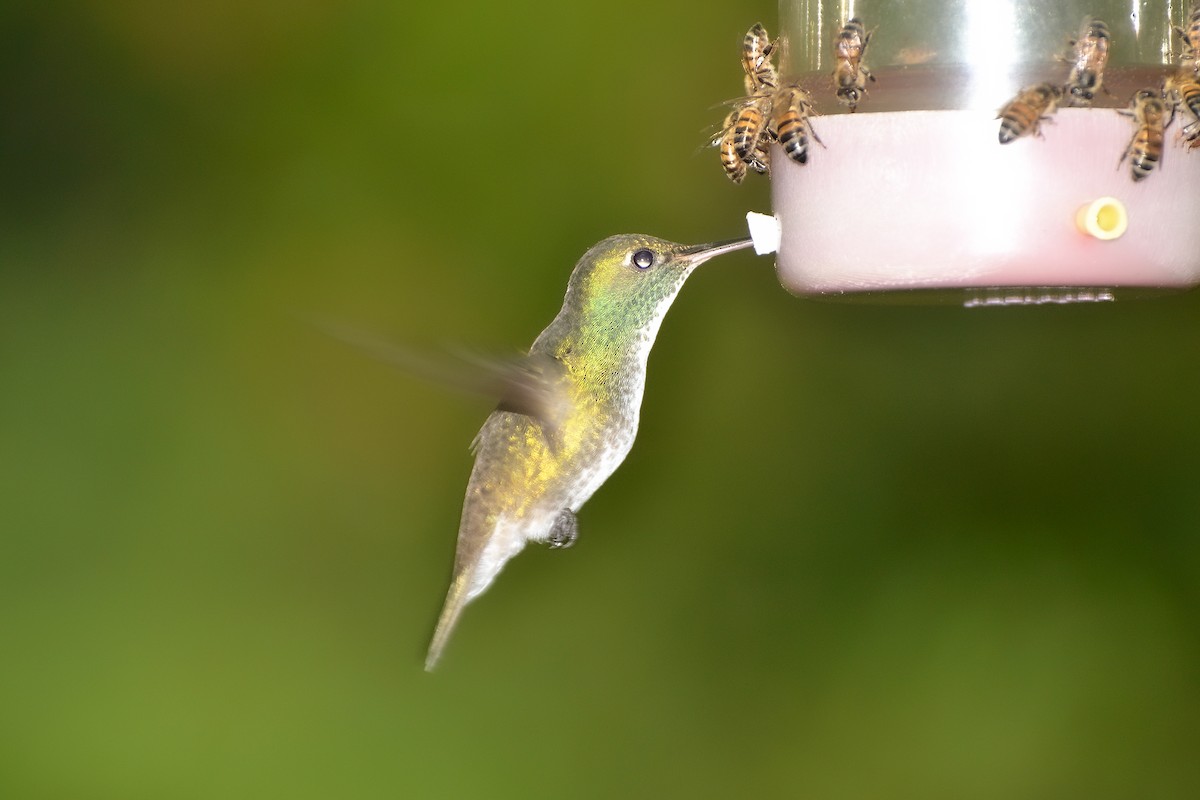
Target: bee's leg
[
  {"x": 1045, "y": 118},
  {"x": 1128, "y": 150},
  {"x": 813, "y": 133},
  {"x": 565, "y": 530}
]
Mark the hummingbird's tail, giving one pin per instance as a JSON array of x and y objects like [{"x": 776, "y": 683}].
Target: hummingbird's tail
[{"x": 456, "y": 600}]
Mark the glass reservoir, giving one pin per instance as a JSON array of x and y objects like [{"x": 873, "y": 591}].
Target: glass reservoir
[{"x": 913, "y": 193}]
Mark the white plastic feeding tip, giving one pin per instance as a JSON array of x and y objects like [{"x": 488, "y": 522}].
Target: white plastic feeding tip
[{"x": 765, "y": 231}]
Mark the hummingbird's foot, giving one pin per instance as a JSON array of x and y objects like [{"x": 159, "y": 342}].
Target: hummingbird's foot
[{"x": 565, "y": 530}]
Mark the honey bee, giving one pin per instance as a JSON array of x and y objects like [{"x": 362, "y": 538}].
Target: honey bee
[
  {"x": 1183, "y": 90},
  {"x": 850, "y": 74},
  {"x": 760, "y": 159},
  {"x": 757, "y": 49},
  {"x": 750, "y": 125},
  {"x": 735, "y": 168},
  {"x": 790, "y": 122},
  {"x": 1025, "y": 113},
  {"x": 751, "y": 131},
  {"x": 1089, "y": 55},
  {"x": 1190, "y": 134},
  {"x": 1191, "y": 37},
  {"x": 1145, "y": 150},
  {"x": 734, "y": 165},
  {"x": 746, "y": 137}
]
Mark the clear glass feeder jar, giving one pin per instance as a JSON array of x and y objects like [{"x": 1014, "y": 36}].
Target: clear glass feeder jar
[{"x": 913, "y": 193}]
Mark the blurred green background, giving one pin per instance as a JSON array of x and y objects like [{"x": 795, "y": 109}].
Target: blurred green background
[{"x": 857, "y": 551}]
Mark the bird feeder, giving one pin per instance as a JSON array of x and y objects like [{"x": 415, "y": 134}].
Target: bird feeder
[{"x": 913, "y": 196}]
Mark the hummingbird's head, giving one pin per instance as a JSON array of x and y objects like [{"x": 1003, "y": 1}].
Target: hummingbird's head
[{"x": 627, "y": 282}]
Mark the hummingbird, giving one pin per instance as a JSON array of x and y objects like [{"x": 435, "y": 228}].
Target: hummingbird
[{"x": 571, "y": 415}]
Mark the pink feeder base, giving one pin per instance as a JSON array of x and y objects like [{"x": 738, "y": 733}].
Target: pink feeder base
[{"x": 931, "y": 200}]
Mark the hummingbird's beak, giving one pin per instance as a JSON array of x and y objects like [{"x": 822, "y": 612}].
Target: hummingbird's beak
[{"x": 698, "y": 254}]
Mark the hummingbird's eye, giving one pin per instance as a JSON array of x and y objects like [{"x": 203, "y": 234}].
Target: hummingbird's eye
[{"x": 643, "y": 259}]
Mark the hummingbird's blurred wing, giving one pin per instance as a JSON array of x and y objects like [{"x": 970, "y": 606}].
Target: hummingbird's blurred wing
[
  {"x": 536, "y": 386},
  {"x": 533, "y": 385}
]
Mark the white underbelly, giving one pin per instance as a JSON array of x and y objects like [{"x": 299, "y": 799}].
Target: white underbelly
[{"x": 512, "y": 531}]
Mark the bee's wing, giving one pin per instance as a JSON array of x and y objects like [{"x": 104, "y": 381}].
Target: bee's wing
[
  {"x": 734, "y": 103},
  {"x": 712, "y": 138}
]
